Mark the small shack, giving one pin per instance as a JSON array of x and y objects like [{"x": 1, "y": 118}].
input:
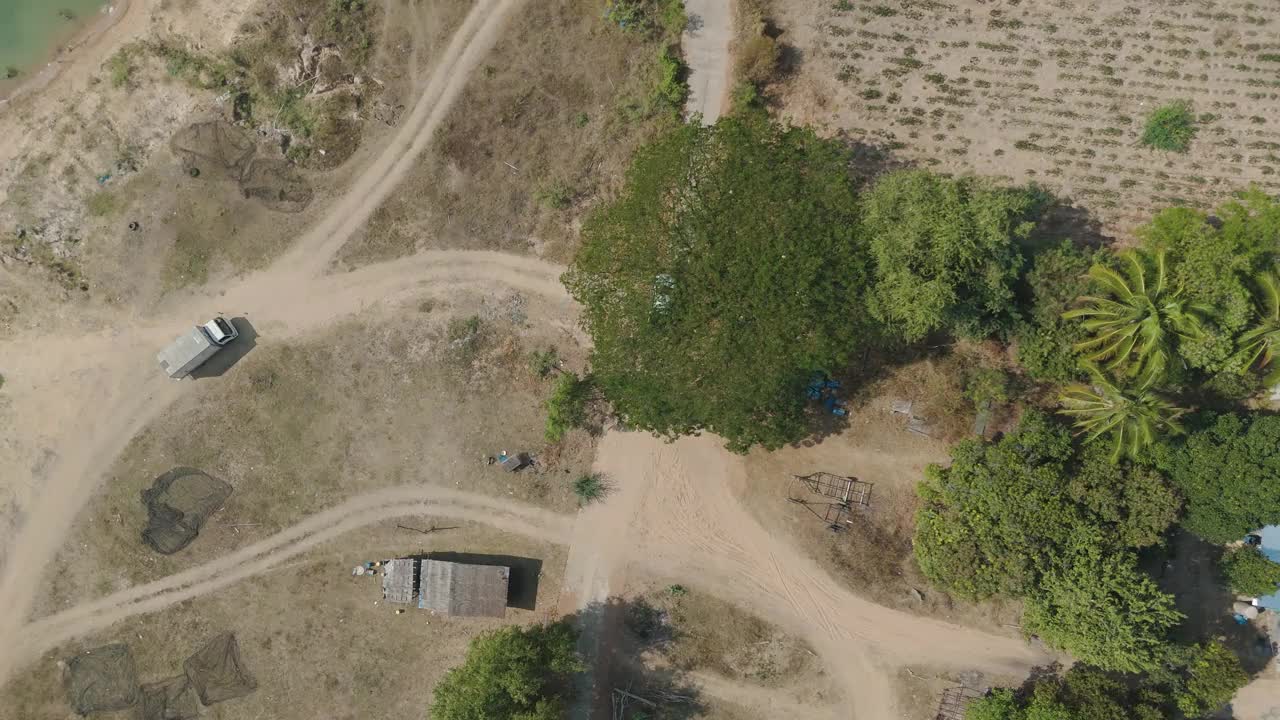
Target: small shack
[
  {"x": 399, "y": 580},
  {"x": 463, "y": 590}
]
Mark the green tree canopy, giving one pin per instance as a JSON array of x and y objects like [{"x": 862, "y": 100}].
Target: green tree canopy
[
  {"x": 726, "y": 273},
  {"x": 1258, "y": 345},
  {"x": 1136, "y": 323},
  {"x": 1214, "y": 262},
  {"x": 1213, "y": 676},
  {"x": 1046, "y": 340},
  {"x": 1132, "y": 418},
  {"x": 1097, "y": 605},
  {"x": 1249, "y": 572},
  {"x": 1200, "y": 682},
  {"x": 945, "y": 252},
  {"x": 1228, "y": 472},
  {"x": 1006, "y": 512},
  {"x": 513, "y": 673}
]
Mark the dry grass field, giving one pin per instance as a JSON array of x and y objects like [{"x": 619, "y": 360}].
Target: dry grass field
[
  {"x": 1047, "y": 91},
  {"x": 318, "y": 641},
  {"x": 543, "y": 131},
  {"x": 298, "y": 428}
]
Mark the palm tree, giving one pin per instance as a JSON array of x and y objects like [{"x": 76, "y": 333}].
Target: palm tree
[
  {"x": 1134, "y": 327},
  {"x": 1260, "y": 343},
  {"x": 1131, "y": 416}
]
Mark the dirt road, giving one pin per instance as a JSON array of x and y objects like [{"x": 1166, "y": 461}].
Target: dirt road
[
  {"x": 76, "y": 399},
  {"x": 706, "y": 52}
]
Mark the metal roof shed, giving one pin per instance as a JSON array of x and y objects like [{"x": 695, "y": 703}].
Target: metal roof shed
[
  {"x": 463, "y": 590},
  {"x": 397, "y": 581}
]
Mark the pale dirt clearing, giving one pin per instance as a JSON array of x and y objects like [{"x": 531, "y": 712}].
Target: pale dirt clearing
[
  {"x": 62, "y": 444},
  {"x": 706, "y": 52},
  {"x": 672, "y": 512}
]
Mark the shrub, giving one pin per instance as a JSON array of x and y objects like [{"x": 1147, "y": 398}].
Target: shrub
[
  {"x": 671, "y": 89},
  {"x": 758, "y": 59},
  {"x": 544, "y": 362},
  {"x": 589, "y": 488},
  {"x": 567, "y": 406},
  {"x": 1170, "y": 127},
  {"x": 1249, "y": 572},
  {"x": 557, "y": 195}
]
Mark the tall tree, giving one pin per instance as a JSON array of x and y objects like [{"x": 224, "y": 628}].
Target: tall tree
[
  {"x": 1097, "y": 605},
  {"x": 1133, "y": 418},
  {"x": 513, "y": 673},
  {"x": 945, "y": 250},
  {"x": 726, "y": 273},
  {"x": 1228, "y": 471},
  {"x": 1136, "y": 324},
  {"x": 1258, "y": 345}
]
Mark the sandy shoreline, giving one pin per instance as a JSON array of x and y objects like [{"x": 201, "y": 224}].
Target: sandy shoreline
[{"x": 65, "y": 53}]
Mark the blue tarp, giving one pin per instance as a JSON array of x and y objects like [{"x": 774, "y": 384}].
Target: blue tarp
[{"x": 1271, "y": 548}]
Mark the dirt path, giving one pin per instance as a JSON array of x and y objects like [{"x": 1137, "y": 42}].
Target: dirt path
[
  {"x": 49, "y": 632},
  {"x": 76, "y": 401},
  {"x": 706, "y": 52},
  {"x": 684, "y": 522},
  {"x": 768, "y": 702}
]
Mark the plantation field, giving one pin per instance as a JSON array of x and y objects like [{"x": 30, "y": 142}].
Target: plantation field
[{"x": 1049, "y": 91}]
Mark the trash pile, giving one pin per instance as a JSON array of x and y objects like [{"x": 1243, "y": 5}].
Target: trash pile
[{"x": 823, "y": 389}]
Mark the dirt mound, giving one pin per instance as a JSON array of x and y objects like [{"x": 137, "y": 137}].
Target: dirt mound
[
  {"x": 277, "y": 185},
  {"x": 102, "y": 679},
  {"x": 216, "y": 147}
]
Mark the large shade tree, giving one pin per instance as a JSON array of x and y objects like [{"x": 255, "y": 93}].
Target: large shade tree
[
  {"x": 723, "y": 277},
  {"x": 946, "y": 253},
  {"x": 1135, "y": 324}
]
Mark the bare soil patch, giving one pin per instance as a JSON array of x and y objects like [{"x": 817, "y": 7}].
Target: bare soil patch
[
  {"x": 319, "y": 641},
  {"x": 873, "y": 556},
  {"x": 296, "y": 428},
  {"x": 544, "y": 129},
  {"x": 1051, "y": 92}
]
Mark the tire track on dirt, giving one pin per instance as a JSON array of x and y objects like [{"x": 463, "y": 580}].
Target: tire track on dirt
[
  {"x": 88, "y": 438},
  {"x": 48, "y": 632}
]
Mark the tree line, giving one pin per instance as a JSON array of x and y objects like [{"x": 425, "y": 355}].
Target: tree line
[{"x": 742, "y": 259}]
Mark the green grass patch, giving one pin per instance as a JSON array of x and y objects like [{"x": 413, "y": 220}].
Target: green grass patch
[
  {"x": 101, "y": 203},
  {"x": 1171, "y": 127}
]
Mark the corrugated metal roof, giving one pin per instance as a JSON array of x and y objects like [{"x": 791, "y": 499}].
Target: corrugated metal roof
[
  {"x": 463, "y": 590},
  {"x": 397, "y": 581},
  {"x": 1271, "y": 548}
]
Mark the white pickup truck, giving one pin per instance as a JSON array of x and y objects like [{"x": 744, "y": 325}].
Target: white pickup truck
[{"x": 190, "y": 349}]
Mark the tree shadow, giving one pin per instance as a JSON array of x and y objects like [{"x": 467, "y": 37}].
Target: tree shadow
[
  {"x": 1187, "y": 568},
  {"x": 1062, "y": 219},
  {"x": 618, "y": 683}
]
